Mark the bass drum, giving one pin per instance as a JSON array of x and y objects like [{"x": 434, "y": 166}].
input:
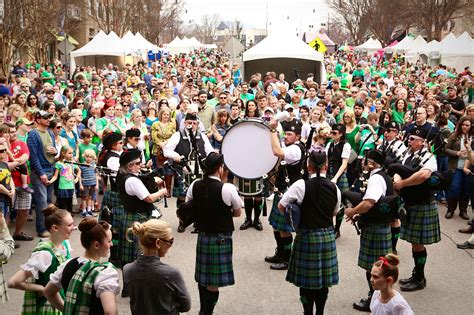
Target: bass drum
[
  {"x": 247, "y": 149},
  {"x": 250, "y": 187}
]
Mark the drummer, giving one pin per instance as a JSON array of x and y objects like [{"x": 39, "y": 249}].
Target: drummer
[
  {"x": 179, "y": 147},
  {"x": 252, "y": 202}
]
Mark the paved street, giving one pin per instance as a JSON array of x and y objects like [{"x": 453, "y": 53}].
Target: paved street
[{"x": 259, "y": 290}]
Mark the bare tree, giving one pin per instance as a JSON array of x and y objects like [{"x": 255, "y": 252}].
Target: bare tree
[
  {"x": 338, "y": 35},
  {"x": 383, "y": 21},
  {"x": 209, "y": 24},
  {"x": 433, "y": 15},
  {"x": 353, "y": 15}
]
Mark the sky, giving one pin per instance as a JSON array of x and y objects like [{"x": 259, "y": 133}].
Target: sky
[{"x": 297, "y": 14}]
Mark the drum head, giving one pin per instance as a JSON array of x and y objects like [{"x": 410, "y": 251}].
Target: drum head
[{"x": 247, "y": 149}]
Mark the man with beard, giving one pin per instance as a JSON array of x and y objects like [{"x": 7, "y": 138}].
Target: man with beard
[
  {"x": 206, "y": 113},
  {"x": 457, "y": 104}
]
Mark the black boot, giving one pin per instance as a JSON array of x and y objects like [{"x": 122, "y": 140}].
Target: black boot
[
  {"x": 395, "y": 235},
  {"x": 208, "y": 300},
  {"x": 407, "y": 280},
  {"x": 337, "y": 228},
  {"x": 278, "y": 251},
  {"x": 248, "y": 204},
  {"x": 418, "y": 281},
  {"x": 257, "y": 210},
  {"x": 451, "y": 206},
  {"x": 463, "y": 209},
  {"x": 286, "y": 254},
  {"x": 364, "y": 304}
]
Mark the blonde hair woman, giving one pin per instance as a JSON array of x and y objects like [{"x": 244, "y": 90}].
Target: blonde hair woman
[
  {"x": 154, "y": 287},
  {"x": 352, "y": 128},
  {"x": 317, "y": 120}
]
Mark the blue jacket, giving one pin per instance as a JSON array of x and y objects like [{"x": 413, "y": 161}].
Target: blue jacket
[{"x": 38, "y": 161}]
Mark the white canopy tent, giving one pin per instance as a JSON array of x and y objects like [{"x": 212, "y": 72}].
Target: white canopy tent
[
  {"x": 429, "y": 53},
  {"x": 370, "y": 46},
  {"x": 401, "y": 46},
  {"x": 459, "y": 54},
  {"x": 178, "y": 46},
  {"x": 136, "y": 45},
  {"x": 293, "y": 57},
  {"x": 413, "y": 49}
]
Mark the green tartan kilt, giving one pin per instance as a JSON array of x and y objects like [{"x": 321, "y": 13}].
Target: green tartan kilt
[
  {"x": 375, "y": 241},
  {"x": 277, "y": 219},
  {"x": 129, "y": 251},
  {"x": 214, "y": 260},
  {"x": 423, "y": 225},
  {"x": 37, "y": 306},
  {"x": 343, "y": 182},
  {"x": 178, "y": 185},
  {"x": 313, "y": 263}
]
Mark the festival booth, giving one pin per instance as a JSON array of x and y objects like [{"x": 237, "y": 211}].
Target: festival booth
[
  {"x": 401, "y": 46},
  {"x": 284, "y": 53},
  {"x": 370, "y": 47},
  {"x": 178, "y": 46},
  {"x": 102, "y": 49},
  {"x": 413, "y": 49},
  {"x": 459, "y": 53},
  {"x": 330, "y": 45},
  {"x": 429, "y": 53}
]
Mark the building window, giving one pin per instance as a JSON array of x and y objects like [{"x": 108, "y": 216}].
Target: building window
[{"x": 91, "y": 33}]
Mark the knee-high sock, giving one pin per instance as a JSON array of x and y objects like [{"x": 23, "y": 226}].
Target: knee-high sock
[
  {"x": 279, "y": 249},
  {"x": 208, "y": 300},
  {"x": 257, "y": 208},
  {"x": 286, "y": 247},
  {"x": 320, "y": 300},
  {"x": 420, "y": 261},
  {"x": 248, "y": 204},
  {"x": 339, "y": 218},
  {"x": 395, "y": 236},
  {"x": 307, "y": 298},
  {"x": 371, "y": 289}
]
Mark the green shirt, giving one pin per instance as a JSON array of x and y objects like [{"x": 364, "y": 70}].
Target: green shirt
[
  {"x": 351, "y": 137},
  {"x": 103, "y": 123},
  {"x": 350, "y": 102},
  {"x": 398, "y": 117},
  {"x": 66, "y": 174},
  {"x": 247, "y": 97},
  {"x": 83, "y": 147}
]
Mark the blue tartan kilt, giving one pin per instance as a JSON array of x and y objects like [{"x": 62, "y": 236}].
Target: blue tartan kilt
[
  {"x": 313, "y": 263},
  {"x": 277, "y": 219},
  {"x": 375, "y": 241},
  {"x": 214, "y": 260},
  {"x": 129, "y": 250},
  {"x": 343, "y": 182},
  {"x": 178, "y": 185},
  {"x": 423, "y": 225}
]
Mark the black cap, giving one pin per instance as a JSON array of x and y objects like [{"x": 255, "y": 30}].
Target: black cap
[
  {"x": 190, "y": 117},
  {"x": 419, "y": 132},
  {"x": 213, "y": 160},
  {"x": 293, "y": 126},
  {"x": 129, "y": 156},
  {"x": 317, "y": 158},
  {"x": 376, "y": 156},
  {"x": 392, "y": 125},
  {"x": 133, "y": 132},
  {"x": 111, "y": 138},
  {"x": 339, "y": 127}
]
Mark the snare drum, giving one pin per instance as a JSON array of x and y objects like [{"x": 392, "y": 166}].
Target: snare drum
[
  {"x": 247, "y": 149},
  {"x": 250, "y": 187}
]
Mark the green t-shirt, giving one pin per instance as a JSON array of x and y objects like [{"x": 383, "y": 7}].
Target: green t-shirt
[
  {"x": 350, "y": 102},
  {"x": 103, "y": 123},
  {"x": 338, "y": 70},
  {"x": 247, "y": 97},
  {"x": 351, "y": 137},
  {"x": 66, "y": 174},
  {"x": 83, "y": 147},
  {"x": 369, "y": 144},
  {"x": 398, "y": 117}
]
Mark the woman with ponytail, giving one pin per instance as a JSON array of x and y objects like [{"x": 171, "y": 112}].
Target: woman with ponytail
[
  {"x": 90, "y": 285},
  {"x": 313, "y": 264},
  {"x": 385, "y": 299},
  {"x": 45, "y": 260},
  {"x": 154, "y": 287}
]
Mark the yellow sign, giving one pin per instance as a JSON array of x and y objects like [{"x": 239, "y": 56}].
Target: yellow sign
[{"x": 318, "y": 45}]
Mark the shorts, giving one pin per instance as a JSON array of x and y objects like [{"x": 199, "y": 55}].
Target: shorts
[
  {"x": 22, "y": 200},
  {"x": 4, "y": 206},
  {"x": 88, "y": 191}
]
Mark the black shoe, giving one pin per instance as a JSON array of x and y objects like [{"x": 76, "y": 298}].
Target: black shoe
[
  {"x": 363, "y": 305},
  {"x": 414, "y": 285},
  {"x": 449, "y": 215},
  {"x": 283, "y": 265},
  {"x": 247, "y": 223},
  {"x": 338, "y": 234},
  {"x": 181, "y": 228},
  {"x": 22, "y": 237},
  {"x": 273, "y": 259},
  {"x": 465, "y": 245},
  {"x": 257, "y": 225}
]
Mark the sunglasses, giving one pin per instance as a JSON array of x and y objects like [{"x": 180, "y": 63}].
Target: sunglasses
[
  {"x": 136, "y": 138},
  {"x": 170, "y": 241},
  {"x": 412, "y": 139},
  {"x": 80, "y": 103},
  {"x": 59, "y": 127},
  {"x": 334, "y": 132},
  {"x": 3, "y": 150},
  {"x": 223, "y": 98},
  {"x": 124, "y": 105},
  {"x": 136, "y": 163},
  {"x": 160, "y": 83}
]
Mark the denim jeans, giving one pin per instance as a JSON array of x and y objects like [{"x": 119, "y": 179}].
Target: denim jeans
[
  {"x": 42, "y": 197},
  {"x": 442, "y": 162},
  {"x": 459, "y": 188}
]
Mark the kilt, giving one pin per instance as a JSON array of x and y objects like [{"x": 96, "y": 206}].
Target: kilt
[
  {"x": 375, "y": 241},
  {"x": 313, "y": 263},
  {"x": 129, "y": 251},
  {"x": 65, "y": 193},
  {"x": 22, "y": 200},
  {"x": 214, "y": 260},
  {"x": 178, "y": 186},
  {"x": 423, "y": 225},
  {"x": 277, "y": 219},
  {"x": 33, "y": 305},
  {"x": 343, "y": 182}
]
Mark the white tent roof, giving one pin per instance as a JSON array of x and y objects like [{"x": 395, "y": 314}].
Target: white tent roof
[
  {"x": 415, "y": 46},
  {"x": 195, "y": 42},
  {"x": 401, "y": 46},
  {"x": 273, "y": 47},
  {"x": 447, "y": 42},
  {"x": 370, "y": 44},
  {"x": 462, "y": 46},
  {"x": 136, "y": 44},
  {"x": 101, "y": 44},
  {"x": 432, "y": 46},
  {"x": 175, "y": 42}
]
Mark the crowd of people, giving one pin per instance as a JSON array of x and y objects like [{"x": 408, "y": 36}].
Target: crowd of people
[{"x": 64, "y": 142}]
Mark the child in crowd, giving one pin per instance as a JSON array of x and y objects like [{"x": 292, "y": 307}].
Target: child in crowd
[
  {"x": 7, "y": 187},
  {"x": 89, "y": 184},
  {"x": 65, "y": 172},
  {"x": 385, "y": 299},
  {"x": 86, "y": 136}
]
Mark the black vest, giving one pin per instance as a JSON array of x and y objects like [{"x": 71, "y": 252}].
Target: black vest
[
  {"x": 369, "y": 218},
  {"x": 334, "y": 158},
  {"x": 184, "y": 145},
  {"x": 318, "y": 204},
  {"x": 212, "y": 214},
  {"x": 293, "y": 170},
  {"x": 419, "y": 194},
  {"x": 68, "y": 272},
  {"x": 131, "y": 203},
  {"x": 113, "y": 181}
]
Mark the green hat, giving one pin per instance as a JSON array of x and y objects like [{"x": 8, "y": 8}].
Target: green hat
[
  {"x": 213, "y": 80},
  {"x": 299, "y": 88},
  {"x": 433, "y": 75},
  {"x": 344, "y": 83}
]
